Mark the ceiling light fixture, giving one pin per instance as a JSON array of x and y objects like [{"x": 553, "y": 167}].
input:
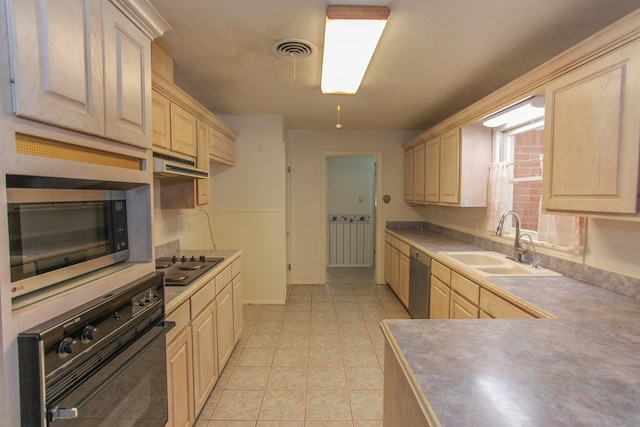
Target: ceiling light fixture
[{"x": 351, "y": 35}]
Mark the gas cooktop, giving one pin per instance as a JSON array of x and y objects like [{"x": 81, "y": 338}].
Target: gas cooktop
[{"x": 183, "y": 270}]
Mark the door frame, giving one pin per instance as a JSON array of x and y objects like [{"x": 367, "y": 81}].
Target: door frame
[{"x": 379, "y": 225}]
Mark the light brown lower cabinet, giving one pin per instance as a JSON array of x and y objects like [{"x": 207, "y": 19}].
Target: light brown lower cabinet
[
  {"x": 205, "y": 355},
  {"x": 224, "y": 301},
  {"x": 179, "y": 380},
  {"x": 454, "y": 296},
  {"x": 397, "y": 266},
  {"x": 208, "y": 325},
  {"x": 238, "y": 319},
  {"x": 439, "y": 299},
  {"x": 400, "y": 405},
  {"x": 498, "y": 308},
  {"x": 461, "y": 308}
]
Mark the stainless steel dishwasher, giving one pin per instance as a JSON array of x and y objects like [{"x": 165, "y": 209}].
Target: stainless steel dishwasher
[{"x": 419, "y": 281}]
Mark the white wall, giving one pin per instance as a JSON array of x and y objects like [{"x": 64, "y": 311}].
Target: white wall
[
  {"x": 246, "y": 209},
  {"x": 247, "y": 206},
  {"x": 350, "y": 188},
  {"x": 308, "y": 148}
]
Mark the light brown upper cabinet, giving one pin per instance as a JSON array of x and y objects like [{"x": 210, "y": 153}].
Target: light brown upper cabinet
[
  {"x": 222, "y": 148},
  {"x": 456, "y": 167},
  {"x": 432, "y": 172},
  {"x": 419, "y": 159},
  {"x": 84, "y": 67},
  {"x": 408, "y": 175},
  {"x": 450, "y": 167},
  {"x": 592, "y": 135}
]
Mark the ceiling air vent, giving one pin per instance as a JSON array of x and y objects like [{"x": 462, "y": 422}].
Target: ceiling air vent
[{"x": 293, "y": 49}]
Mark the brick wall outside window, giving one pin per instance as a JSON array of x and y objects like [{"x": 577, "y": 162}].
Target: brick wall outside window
[{"x": 526, "y": 195}]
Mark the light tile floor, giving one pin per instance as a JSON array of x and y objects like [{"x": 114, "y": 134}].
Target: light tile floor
[{"x": 314, "y": 362}]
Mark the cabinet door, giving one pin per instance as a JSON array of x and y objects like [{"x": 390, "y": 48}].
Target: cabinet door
[
  {"x": 419, "y": 158},
  {"x": 592, "y": 129},
  {"x": 439, "y": 299},
  {"x": 388, "y": 249},
  {"x": 205, "y": 357},
  {"x": 224, "y": 302},
  {"x": 395, "y": 269},
  {"x": 461, "y": 308},
  {"x": 58, "y": 63},
  {"x": 216, "y": 144},
  {"x": 202, "y": 185},
  {"x": 403, "y": 279},
  {"x": 450, "y": 167},
  {"x": 184, "y": 131},
  {"x": 179, "y": 380},
  {"x": 127, "y": 73},
  {"x": 238, "y": 308},
  {"x": 408, "y": 175},
  {"x": 432, "y": 170},
  {"x": 499, "y": 308},
  {"x": 229, "y": 151},
  {"x": 161, "y": 120}
]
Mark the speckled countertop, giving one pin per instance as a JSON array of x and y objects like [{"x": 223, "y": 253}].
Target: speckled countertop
[
  {"x": 580, "y": 369},
  {"x": 176, "y": 295}
]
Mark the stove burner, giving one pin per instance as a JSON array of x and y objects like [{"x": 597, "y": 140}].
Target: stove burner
[
  {"x": 183, "y": 270},
  {"x": 162, "y": 264},
  {"x": 190, "y": 266},
  {"x": 175, "y": 277}
]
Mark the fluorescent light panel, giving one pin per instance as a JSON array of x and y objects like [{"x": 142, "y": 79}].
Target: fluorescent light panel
[
  {"x": 351, "y": 36},
  {"x": 530, "y": 109}
]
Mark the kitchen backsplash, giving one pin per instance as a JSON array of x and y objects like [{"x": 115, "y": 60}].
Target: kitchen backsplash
[{"x": 609, "y": 280}]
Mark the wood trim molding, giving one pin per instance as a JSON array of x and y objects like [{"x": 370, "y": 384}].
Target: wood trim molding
[
  {"x": 612, "y": 37},
  {"x": 144, "y": 15},
  {"x": 358, "y": 12}
]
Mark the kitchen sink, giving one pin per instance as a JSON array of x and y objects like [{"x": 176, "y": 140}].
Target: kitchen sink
[{"x": 494, "y": 264}]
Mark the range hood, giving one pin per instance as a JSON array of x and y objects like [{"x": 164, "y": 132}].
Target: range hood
[{"x": 165, "y": 166}]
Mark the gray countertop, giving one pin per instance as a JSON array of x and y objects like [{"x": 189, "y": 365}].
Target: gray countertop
[{"x": 581, "y": 369}]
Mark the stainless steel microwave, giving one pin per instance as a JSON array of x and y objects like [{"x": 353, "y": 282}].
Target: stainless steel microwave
[{"x": 59, "y": 234}]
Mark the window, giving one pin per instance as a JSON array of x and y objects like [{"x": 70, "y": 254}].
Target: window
[
  {"x": 521, "y": 149},
  {"x": 515, "y": 179}
]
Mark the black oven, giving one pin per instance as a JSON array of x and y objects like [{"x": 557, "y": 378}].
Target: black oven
[
  {"x": 102, "y": 364},
  {"x": 61, "y": 228}
]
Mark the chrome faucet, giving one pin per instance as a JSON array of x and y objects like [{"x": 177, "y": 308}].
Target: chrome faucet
[
  {"x": 535, "y": 262},
  {"x": 517, "y": 245}
]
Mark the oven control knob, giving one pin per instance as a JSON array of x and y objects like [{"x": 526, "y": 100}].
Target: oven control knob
[
  {"x": 65, "y": 347},
  {"x": 193, "y": 258},
  {"x": 88, "y": 334},
  {"x": 183, "y": 259},
  {"x": 174, "y": 259},
  {"x": 202, "y": 258}
]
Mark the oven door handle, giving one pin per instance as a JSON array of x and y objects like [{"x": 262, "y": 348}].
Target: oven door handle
[{"x": 57, "y": 413}]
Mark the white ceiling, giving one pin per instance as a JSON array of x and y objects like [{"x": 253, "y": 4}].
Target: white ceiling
[{"x": 435, "y": 56}]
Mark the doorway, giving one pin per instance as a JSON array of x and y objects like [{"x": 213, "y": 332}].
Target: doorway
[{"x": 351, "y": 215}]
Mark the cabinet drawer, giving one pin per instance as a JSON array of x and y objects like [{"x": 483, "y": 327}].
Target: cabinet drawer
[
  {"x": 465, "y": 287},
  {"x": 499, "y": 308},
  {"x": 403, "y": 247},
  {"x": 223, "y": 279},
  {"x": 181, "y": 316},
  {"x": 202, "y": 298},
  {"x": 461, "y": 308},
  {"x": 441, "y": 272},
  {"x": 235, "y": 267}
]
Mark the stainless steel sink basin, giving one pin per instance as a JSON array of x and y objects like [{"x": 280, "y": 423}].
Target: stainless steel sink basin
[{"x": 494, "y": 264}]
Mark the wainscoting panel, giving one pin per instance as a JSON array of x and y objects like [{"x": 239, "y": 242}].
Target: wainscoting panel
[{"x": 350, "y": 240}]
